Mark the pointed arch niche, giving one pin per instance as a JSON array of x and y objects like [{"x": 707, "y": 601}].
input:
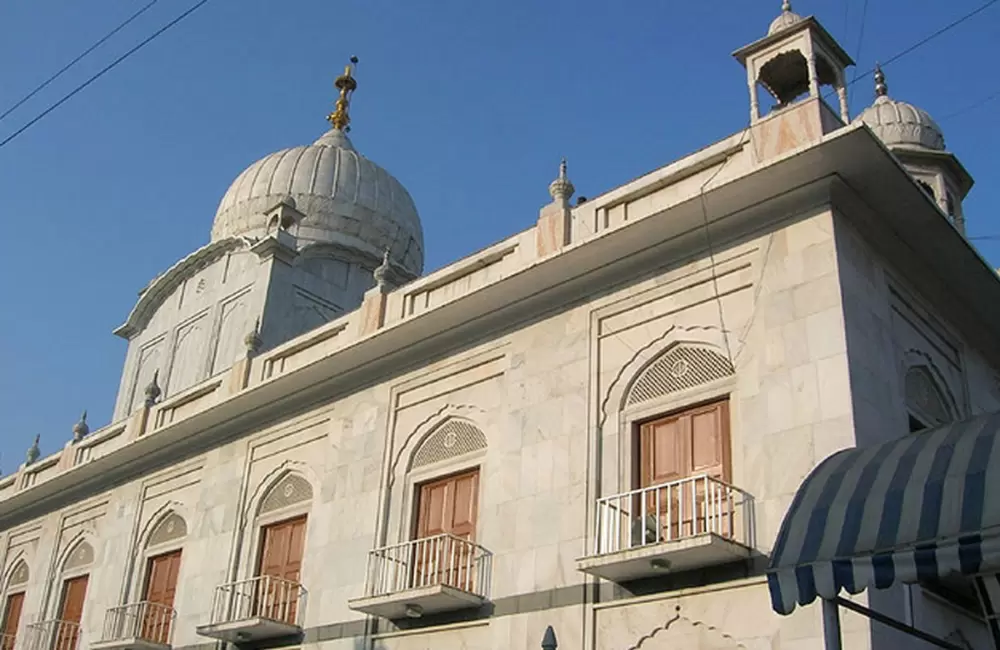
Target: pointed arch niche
[
  {"x": 277, "y": 531},
  {"x": 447, "y": 463},
  {"x": 12, "y": 605},
  {"x": 678, "y": 379},
  {"x": 157, "y": 579}
]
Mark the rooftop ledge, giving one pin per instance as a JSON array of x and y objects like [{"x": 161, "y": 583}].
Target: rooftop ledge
[{"x": 508, "y": 283}]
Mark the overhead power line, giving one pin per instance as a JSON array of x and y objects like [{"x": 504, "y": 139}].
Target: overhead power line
[
  {"x": 924, "y": 41},
  {"x": 861, "y": 38},
  {"x": 930, "y": 37},
  {"x": 69, "y": 65},
  {"x": 973, "y": 105},
  {"x": 102, "y": 72}
]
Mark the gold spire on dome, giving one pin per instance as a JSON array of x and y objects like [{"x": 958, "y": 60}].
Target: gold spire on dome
[{"x": 346, "y": 84}]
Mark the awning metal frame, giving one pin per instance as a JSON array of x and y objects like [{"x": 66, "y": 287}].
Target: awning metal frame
[{"x": 831, "y": 624}]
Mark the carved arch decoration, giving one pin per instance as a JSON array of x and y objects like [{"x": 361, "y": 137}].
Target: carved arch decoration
[
  {"x": 452, "y": 438},
  {"x": 680, "y": 367},
  {"x": 17, "y": 574},
  {"x": 170, "y": 528},
  {"x": 276, "y": 480},
  {"x": 290, "y": 490},
  {"x": 925, "y": 390},
  {"x": 80, "y": 556},
  {"x": 710, "y": 339},
  {"x": 426, "y": 428},
  {"x": 711, "y": 637}
]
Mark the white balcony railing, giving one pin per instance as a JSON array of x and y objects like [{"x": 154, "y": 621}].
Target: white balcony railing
[
  {"x": 53, "y": 635},
  {"x": 264, "y": 597},
  {"x": 442, "y": 560},
  {"x": 674, "y": 511},
  {"x": 146, "y": 621},
  {"x": 7, "y": 641}
]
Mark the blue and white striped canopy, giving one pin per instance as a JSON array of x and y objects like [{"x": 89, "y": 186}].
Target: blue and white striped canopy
[{"x": 926, "y": 505}]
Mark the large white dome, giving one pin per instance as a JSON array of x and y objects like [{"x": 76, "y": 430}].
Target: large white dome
[{"x": 347, "y": 200}]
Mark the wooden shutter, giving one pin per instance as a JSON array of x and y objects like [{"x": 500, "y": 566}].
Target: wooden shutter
[
  {"x": 281, "y": 557},
  {"x": 446, "y": 506},
  {"x": 449, "y": 505},
  {"x": 695, "y": 441},
  {"x": 74, "y": 595},
  {"x": 161, "y": 586},
  {"x": 11, "y": 620},
  {"x": 689, "y": 443}
]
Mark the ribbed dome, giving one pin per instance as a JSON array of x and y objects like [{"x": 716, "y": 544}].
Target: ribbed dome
[
  {"x": 787, "y": 18},
  {"x": 346, "y": 199},
  {"x": 899, "y": 123}
]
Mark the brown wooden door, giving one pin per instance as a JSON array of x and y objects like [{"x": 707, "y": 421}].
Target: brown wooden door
[
  {"x": 689, "y": 443},
  {"x": 74, "y": 595},
  {"x": 281, "y": 558},
  {"x": 161, "y": 586},
  {"x": 446, "y": 506},
  {"x": 11, "y": 619}
]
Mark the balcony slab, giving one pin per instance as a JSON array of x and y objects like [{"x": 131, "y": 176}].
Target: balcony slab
[
  {"x": 674, "y": 556},
  {"x": 427, "y": 600},
  {"x": 130, "y": 643},
  {"x": 248, "y": 630}
]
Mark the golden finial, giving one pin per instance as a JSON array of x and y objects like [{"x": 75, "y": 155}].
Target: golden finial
[{"x": 346, "y": 84}]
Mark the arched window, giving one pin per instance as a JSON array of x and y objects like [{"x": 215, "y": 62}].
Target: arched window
[
  {"x": 281, "y": 540},
  {"x": 678, "y": 445},
  {"x": 445, "y": 472},
  {"x": 160, "y": 579},
  {"x": 73, "y": 595},
  {"x": 13, "y": 604}
]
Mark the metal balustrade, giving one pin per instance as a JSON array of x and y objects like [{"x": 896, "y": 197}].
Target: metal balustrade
[
  {"x": 432, "y": 561},
  {"x": 673, "y": 511},
  {"x": 146, "y": 621},
  {"x": 264, "y": 597},
  {"x": 53, "y": 635}
]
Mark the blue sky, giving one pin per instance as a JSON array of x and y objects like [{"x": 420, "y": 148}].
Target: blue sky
[{"x": 469, "y": 104}]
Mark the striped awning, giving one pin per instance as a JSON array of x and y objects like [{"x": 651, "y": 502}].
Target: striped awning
[{"x": 926, "y": 505}]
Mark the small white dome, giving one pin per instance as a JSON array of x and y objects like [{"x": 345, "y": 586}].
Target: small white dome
[
  {"x": 898, "y": 123},
  {"x": 346, "y": 199},
  {"x": 786, "y": 19}
]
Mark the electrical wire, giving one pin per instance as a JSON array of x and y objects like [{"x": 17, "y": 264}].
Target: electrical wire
[
  {"x": 861, "y": 39},
  {"x": 69, "y": 65},
  {"x": 974, "y": 105},
  {"x": 919, "y": 44},
  {"x": 102, "y": 72}
]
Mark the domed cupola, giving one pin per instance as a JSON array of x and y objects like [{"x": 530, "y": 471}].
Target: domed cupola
[
  {"x": 345, "y": 199},
  {"x": 898, "y": 123},
  {"x": 917, "y": 141},
  {"x": 785, "y": 19}
]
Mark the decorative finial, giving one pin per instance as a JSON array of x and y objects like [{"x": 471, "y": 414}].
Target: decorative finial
[
  {"x": 786, "y": 6},
  {"x": 881, "y": 90},
  {"x": 346, "y": 84},
  {"x": 80, "y": 429},
  {"x": 549, "y": 639},
  {"x": 382, "y": 270},
  {"x": 153, "y": 391},
  {"x": 33, "y": 451},
  {"x": 252, "y": 340},
  {"x": 561, "y": 188}
]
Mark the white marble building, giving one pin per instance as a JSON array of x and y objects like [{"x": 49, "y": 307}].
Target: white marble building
[{"x": 596, "y": 424}]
